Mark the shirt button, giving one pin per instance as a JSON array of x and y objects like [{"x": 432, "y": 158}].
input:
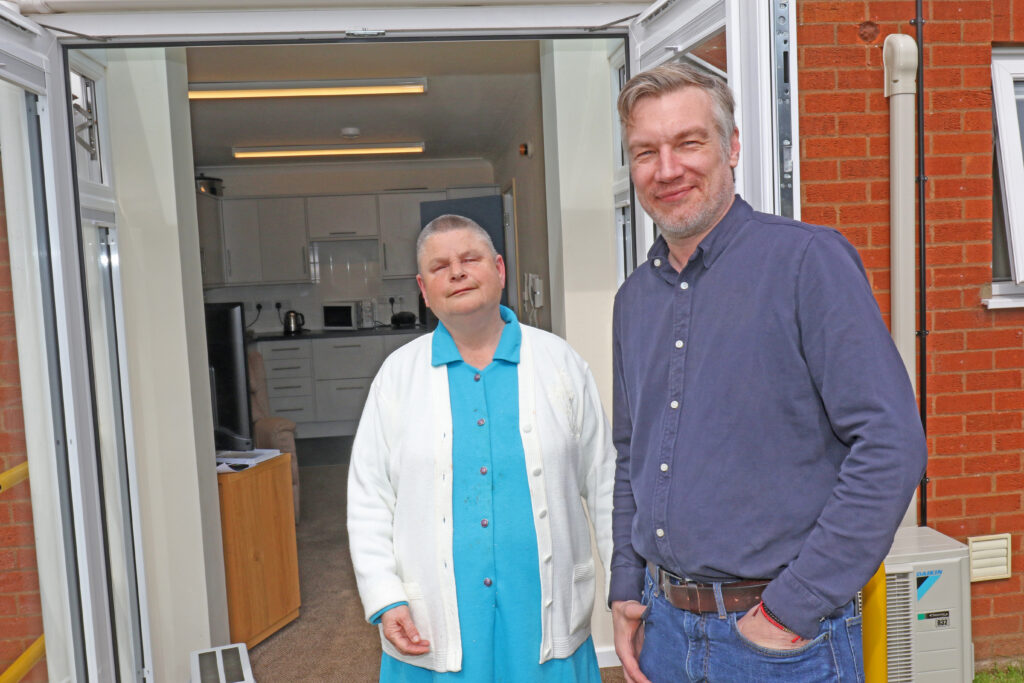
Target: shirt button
[
  {"x": 476, "y": 377},
  {"x": 536, "y": 472},
  {"x": 542, "y": 514},
  {"x": 480, "y": 422},
  {"x": 684, "y": 285},
  {"x": 674, "y": 404},
  {"x": 483, "y": 470},
  {"x": 660, "y": 533},
  {"x": 679, "y": 343},
  {"x": 484, "y": 523},
  {"x": 488, "y": 582},
  {"x": 657, "y": 263},
  {"x": 664, "y": 467}
]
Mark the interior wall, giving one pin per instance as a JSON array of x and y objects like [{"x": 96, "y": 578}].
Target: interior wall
[
  {"x": 159, "y": 258},
  {"x": 349, "y": 178},
  {"x": 581, "y": 222},
  {"x": 531, "y": 197}
]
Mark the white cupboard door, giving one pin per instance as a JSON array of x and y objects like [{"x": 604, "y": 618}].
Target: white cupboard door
[
  {"x": 241, "y": 240},
  {"x": 211, "y": 246},
  {"x": 399, "y": 228},
  {"x": 283, "y": 239},
  {"x": 342, "y": 216}
]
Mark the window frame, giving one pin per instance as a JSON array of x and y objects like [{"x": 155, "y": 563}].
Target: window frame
[{"x": 1007, "y": 70}]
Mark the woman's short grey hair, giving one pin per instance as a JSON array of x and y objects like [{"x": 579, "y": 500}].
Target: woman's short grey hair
[
  {"x": 447, "y": 223},
  {"x": 668, "y": 78}
]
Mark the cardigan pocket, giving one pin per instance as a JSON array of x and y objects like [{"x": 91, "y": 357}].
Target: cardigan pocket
[
  {"x": 418, "y": 609},
  {"x": 583, "y": 580}
]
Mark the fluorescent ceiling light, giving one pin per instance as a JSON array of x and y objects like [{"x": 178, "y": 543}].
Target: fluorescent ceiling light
[
  {"x": 327, "y": 150},
  {"x": 379, "y": 86}
]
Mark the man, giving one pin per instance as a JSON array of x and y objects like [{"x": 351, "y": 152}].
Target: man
[
  {"x": 767, "y": 434},
  {"x": 475, "y": 450}
]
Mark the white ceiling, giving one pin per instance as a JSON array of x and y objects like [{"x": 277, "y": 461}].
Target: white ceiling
[{"x": 474, "y": 89}]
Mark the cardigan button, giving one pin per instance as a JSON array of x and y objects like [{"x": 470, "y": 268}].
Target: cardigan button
[
  {"x": 527, "y": 428},
  {"x": 542, "y": 514},
  {"x": 536, "y": 472}
]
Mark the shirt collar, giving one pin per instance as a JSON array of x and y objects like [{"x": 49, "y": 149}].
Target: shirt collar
[
  {"x": 443, "y": 349},
  {"x": 713, "y": 244}
]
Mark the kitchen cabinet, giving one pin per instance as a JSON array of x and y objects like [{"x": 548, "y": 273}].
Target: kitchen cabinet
[
  {"x": 344, "y": 368},
  {"x": 211, "y": 235},
  {"x": 473, "y": 191},
  {"x": 282, "y": 240},
  {"x": 288, "y": 367},
  {"x": 342, "y": 216},
  {"x": 399, "y": 228},
  {"x": 242, "y": 260}
]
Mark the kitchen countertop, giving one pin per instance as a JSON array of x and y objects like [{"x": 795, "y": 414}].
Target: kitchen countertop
[{"x": 328, "y": 334}]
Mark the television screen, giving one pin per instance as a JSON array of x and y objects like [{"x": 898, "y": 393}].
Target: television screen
[{"x": 229, "y": 376}]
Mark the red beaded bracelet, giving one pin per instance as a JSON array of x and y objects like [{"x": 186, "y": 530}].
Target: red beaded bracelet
[{"x": 774, "y": 622}]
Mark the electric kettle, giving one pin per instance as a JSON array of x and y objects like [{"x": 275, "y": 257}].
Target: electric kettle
[{"x": 293, "y": 322}]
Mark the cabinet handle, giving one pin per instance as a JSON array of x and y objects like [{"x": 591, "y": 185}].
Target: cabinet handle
[
  {"x": 303, "y": 249},
  {"x": 385, "y": 257},
  {"x": 342, "y": 232},
  {"x": 347, "y": 388},
  {"x": 289, "y": 410},
  {"x": 348, "y": 346},
  {"x": 290, "y": 367},
  {"x": 284, "y": 348},
  {"x": 289, "y": 386}
]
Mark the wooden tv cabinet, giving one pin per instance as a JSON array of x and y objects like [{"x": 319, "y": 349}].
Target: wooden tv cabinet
[{"x": 260, "y": 562}]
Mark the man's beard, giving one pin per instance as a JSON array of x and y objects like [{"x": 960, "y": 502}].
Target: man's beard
[{"x": 699, "y": 220}]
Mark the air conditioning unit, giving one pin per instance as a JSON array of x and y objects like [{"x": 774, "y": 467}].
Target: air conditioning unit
[{"x": 928, "y": 608}]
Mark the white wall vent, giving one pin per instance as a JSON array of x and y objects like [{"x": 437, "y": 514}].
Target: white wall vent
[
  {"x": 989, "y": 557},
  {"x": 227, "y": 664}
]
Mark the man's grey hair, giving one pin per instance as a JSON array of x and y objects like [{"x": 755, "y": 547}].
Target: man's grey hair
[
  {"x": 447, "y": 223},
  {"x": 669, "y": 78}
]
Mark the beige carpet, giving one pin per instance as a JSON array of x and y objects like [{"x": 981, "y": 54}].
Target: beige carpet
[{"x": 329, "y": 641}]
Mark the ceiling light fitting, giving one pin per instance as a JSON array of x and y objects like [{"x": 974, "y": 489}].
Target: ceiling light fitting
[
  {"x": 254, "y": 89},
  {"x": 326, "y": 150}
]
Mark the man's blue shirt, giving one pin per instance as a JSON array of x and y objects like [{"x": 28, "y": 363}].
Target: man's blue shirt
[{"x": 764, "y": 421}]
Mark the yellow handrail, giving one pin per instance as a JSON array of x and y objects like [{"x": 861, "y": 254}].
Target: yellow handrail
[
  {"x": 24, "y": 663},
  {"x": 15, "y": 475},
  {"x": 873, "y": 624}
]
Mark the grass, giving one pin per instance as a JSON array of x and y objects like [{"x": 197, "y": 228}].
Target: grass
[{"x": 1002, "y": 674}]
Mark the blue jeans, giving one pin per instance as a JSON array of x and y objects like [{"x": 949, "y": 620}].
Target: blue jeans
[{"x": 682, "y": 646}]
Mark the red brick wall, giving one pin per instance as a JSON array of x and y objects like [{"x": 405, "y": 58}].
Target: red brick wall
[
  {"x": 975, "y": 356},
  {"x": 21, "y": 619}
]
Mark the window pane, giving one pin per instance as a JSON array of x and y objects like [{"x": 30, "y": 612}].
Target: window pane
[
  {"x": 1000, "y": 250},
  {"x": 709, "y": 54}
]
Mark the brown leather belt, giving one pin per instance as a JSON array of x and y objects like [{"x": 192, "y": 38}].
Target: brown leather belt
[{"x": 692, "y": 596}]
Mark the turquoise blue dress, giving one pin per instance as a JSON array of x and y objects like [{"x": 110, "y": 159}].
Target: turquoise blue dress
[{"x": 494, "y": 543}]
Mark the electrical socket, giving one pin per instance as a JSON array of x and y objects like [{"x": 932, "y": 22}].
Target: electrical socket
[{"x": 283, "y": 304}]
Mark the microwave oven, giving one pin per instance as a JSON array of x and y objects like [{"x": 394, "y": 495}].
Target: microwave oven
[{"x": 341, "y": 315}]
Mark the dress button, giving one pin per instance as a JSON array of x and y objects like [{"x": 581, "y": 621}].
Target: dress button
[
  {"x": 679, "y": 343},
  {"x": 664, "y": 467},
  {"x": 684, "y": 285},
  {"x": 536, "y": 472},
  {"x": 542, "y": 514},
  {"x": 483, "y": 470},
  {"x": 484, "y": 523},
  {"x": 476, "y": 377},
  {"x": 660, "y": 533},
  {"x": 488, "y": 582},
  {"x": 657, "y": 263},
  {"x": 674, "y": 404},
  {"x": 480, "y": 422}
]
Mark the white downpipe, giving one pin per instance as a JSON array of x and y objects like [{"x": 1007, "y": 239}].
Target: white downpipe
[{"x": 899, "y": 55}]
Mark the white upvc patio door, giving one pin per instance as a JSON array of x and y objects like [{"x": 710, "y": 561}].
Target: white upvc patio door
[
  {"x": 52, "y": 353},
  {"x": 749, "y": 43}
]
